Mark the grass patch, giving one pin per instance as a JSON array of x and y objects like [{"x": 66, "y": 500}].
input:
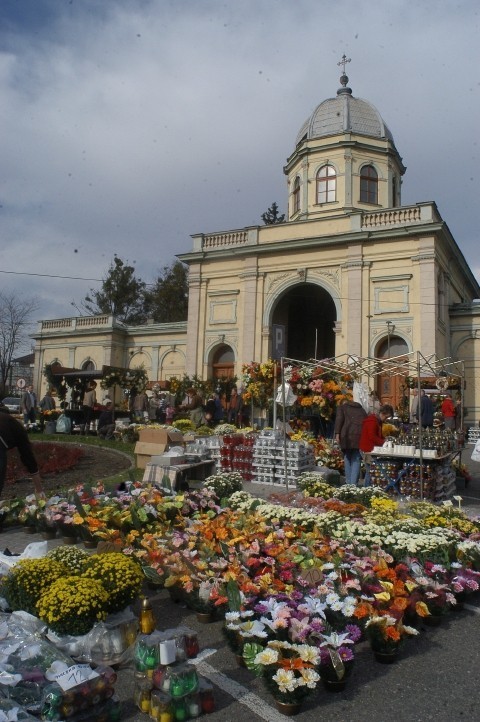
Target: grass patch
[{"x": 124, "y": 447}]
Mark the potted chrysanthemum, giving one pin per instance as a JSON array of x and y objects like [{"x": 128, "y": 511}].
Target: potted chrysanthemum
[
  {"x": 72, "y": 605},
  {"x": 121, "y": 577}
]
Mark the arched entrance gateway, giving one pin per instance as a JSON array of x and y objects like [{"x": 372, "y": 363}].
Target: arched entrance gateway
[{"x": 307, "y": 313}]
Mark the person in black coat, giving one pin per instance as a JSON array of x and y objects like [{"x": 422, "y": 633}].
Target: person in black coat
[
  {"x": 426, "y": 410},
  {"x": 348, "y": 429},
  {"x": 14, "y": 435}
]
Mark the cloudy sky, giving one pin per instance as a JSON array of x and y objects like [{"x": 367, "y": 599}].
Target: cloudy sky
[{"x": 128, "y": 125}]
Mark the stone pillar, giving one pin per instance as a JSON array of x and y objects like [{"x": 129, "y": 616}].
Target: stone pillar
[
  {"x": 194, "y": 288},
  {"x": 249, "y": 278},
  {"x": 352, "y": 270}
]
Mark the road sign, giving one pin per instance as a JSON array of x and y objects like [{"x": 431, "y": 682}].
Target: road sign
[{"x": 21, "y": 383}]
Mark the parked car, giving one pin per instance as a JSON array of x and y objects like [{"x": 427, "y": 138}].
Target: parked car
[{"x": 12, "y": 403}]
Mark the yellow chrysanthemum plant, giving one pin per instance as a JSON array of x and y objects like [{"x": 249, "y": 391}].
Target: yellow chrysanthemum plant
[
  {"x": 121, "y": 577},
  {"x": 72, "y": 605},
  {"x": 25, "y": 583}
]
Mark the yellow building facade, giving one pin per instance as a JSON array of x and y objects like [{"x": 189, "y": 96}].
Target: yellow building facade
[{"x": 351, "y": 270}]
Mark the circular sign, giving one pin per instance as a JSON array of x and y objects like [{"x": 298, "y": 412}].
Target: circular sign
[{"x": 21, "y": 383}]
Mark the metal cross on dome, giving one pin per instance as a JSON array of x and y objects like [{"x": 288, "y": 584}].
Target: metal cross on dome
[{"x": 344, "y": 61}]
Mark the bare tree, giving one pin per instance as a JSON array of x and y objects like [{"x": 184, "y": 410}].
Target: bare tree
[{"x": 15, "y": 316}]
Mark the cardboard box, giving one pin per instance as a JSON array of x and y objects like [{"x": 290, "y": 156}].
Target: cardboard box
[
  {"x": 154, "y": 442},
  {"x": 160, "y": 436}
]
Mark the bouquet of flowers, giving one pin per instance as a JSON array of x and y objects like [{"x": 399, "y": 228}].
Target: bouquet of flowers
[
  {"x": 386, "y": 633},
  {"x": 328, "y": 454},
  {"x": 290, "y": 670},
  {"x": 50, "y": 414}
]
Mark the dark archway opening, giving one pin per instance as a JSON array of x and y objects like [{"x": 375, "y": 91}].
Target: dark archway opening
[
  {"x": 308, "y": 314},
  {"x": 390, "y": 387},
  {"x": 223, "y": 363}
]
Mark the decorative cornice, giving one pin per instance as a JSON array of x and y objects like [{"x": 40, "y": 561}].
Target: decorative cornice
[
  {"x": 234, "y": 292},
  {"x": 392, "y": 277}
]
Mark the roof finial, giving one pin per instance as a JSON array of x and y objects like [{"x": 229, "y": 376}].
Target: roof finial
[{"x": 344, "y": 77}]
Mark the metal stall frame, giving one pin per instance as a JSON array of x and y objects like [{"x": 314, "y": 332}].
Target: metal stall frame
[{"x": 414, "y": 364}]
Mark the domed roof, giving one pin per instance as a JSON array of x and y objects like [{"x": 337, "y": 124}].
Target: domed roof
[{"x": 344, "y": 114}]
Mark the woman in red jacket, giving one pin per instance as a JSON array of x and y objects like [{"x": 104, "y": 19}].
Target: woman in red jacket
[
  {"x": 449, "y": 412},
  {"x": 372, "y": 436}
]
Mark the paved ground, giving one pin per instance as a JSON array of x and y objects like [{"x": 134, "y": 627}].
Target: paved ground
[{"x": 436, "y": 678}]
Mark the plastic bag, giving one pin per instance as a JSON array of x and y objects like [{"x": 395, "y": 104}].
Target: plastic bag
[
  {"x": 476, "y": 451},
  {"x": 35, "y": 550},
  {"x": 109, "y": 642},
  {"x": 10, "y": 710},
  {"x": 64, "y": 424}
]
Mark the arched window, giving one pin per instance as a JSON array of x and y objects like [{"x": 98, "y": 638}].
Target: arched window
[
  {"x": 88, "y": 366},
  {"x": 326, "y": 184},
  {"x": 296, "y": 195},
  {"x": 368, "y": 184}
]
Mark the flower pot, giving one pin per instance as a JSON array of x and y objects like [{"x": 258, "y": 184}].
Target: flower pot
[
  {"x": 90, "y": 543},
  {"x": 461, "y": 598},
  {"x": 386, "y": 657},
  {"x": 240, "y": 660},
  {"x": 49, "y": 533},
  {"x": 30, "y": 529},
  {"x": 50, "y": 427},
  {"x": 204, "y": 617},
  {"x": 176, "y": 594},
  {"x": 288, "y": 708},
  {"x": 433, "y": 620},
  {"x": 69, "y": 540},
  {"x": 334, "y": 685}
]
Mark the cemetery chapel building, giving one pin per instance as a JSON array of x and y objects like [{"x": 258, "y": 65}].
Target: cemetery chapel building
[{"x": 350, "y": 271}]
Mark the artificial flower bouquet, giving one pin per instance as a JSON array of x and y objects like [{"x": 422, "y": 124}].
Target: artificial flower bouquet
[
  {"x": 386, "y": 633},
  {"x": 336, "y": 653},
  {"x": 432, "y": 594},
  {"x": 290, "y": 670}
]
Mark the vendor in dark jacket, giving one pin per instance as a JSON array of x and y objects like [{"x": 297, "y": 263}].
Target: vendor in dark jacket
[
  {"x": 14, "y": 435},
  {"x": 106, "y": 422},
  {"x": 348, "y": 427},
  {"x": 372, "y": 436}
]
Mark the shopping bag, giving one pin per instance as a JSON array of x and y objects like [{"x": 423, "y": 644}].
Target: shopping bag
[{"x": 476, "y": 451}]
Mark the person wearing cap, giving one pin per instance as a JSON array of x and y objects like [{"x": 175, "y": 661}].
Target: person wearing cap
[
  {"x": 106, "y": 422},
  {"x": 14, "y": 435}
]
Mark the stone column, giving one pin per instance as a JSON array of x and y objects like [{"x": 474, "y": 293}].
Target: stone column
[
  {"x": 194, "y": 288},
  {"x": 249, "y": 278}
]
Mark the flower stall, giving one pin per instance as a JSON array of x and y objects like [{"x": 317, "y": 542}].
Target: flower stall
[
  {"x": 323, "y": 385},
  {"x": 298, "y": 582}
]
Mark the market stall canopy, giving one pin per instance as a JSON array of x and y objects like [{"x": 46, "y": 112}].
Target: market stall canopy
[
  {"x": 58, "y": 370},
  {"x": 412, "y": 364}
]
